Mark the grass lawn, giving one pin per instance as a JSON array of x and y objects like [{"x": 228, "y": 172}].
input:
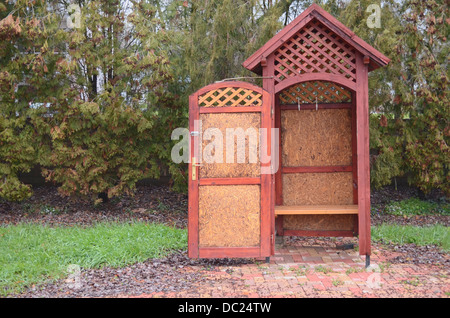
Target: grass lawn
[
  {"x": 406, "y": 234},
  {"x": 437, "y": 234},
  {"x": 32, "y": 254},
  {"x": 414, "y": 206}
]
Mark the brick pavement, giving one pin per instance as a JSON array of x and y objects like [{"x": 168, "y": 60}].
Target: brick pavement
[{"x": 319, "y": 271}]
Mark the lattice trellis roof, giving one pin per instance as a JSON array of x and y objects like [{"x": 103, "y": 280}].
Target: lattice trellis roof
[
  {"x": 317, "y": 58},
  {"x": 315, "y": 49},
  {"x": 309, "y": 92}
]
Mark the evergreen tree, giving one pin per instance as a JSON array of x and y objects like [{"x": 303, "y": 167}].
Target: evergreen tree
[
  {"x": 409, "y": 123},
  {"x": 101, "y": 132},
  {"x": 220, "y": 35},
  {"x": 31, "y": 44},
  {"x": 422, "y": 52}
]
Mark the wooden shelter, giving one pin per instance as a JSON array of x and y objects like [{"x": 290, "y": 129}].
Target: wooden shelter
[{"x": 315, "y": 92}]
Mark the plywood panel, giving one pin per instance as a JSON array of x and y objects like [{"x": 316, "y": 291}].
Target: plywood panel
[
  {"x": 316, "y": 138},
  {"x": 229, "y": 216},
  {"x": 318, "y": 222},
  {"x": 249, "y": 165},
  {"x": 318, "y": 188}
]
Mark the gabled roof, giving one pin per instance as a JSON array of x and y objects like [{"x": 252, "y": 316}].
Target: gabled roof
[{"x": 377, "y": 59}]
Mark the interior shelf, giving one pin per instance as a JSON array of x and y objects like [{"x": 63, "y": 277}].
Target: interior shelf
[{"x": 315, "y": 209}]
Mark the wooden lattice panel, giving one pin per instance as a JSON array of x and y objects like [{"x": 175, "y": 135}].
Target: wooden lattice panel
[
  {"x": 230, "y": 96},
  {"x": 315, "y": 49},
  {"x": 310, "y": 92}
]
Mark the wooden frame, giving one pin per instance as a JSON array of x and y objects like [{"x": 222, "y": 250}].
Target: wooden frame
[
  {"x": 313, "y": 49},
  {"x": 264, "y": 181},
  {"x": 329, "y": 38}
]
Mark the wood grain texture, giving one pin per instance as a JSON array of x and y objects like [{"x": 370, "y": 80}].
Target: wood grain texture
[
  {"x": 316, "y": 138},
  {"x": 311, "y": 169},
  {"x": 340, "y": 222},
  {"x": 229, "y": 216},
  {"x": 362, "y": 128},
  {"x": 318, "y": 189},
  {"x": 222, "y": 121},
  {"x": 316, "y": 209}
]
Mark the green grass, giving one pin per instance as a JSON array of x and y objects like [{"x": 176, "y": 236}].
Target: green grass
[
  {"x": 32, "y": 254},
  {"x": 407, "y": 234},
  {"x": 415, "y": 206}
]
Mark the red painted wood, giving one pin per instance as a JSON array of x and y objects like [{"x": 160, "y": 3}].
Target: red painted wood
[
  {"x": 219, "y": 85},
  {"x": 231, "y": 252},
  {"x": 253, "y": 63},
  {"x": 355, "y": 225},
  {"x": 274, "y": 43},
  {"x": 330, "y": 47},
  {"x": 320, "y": 169},
  {"x": 351, "y": 37},
  {"x": 354, "y": 151},
  {"x": 365, "y": 58},
  {"x": 230, "y": 109},
  {"x": 193, "y": 184},
  {"x": 228, "y": 181},
  {"x": 267, "y": 181},
  {"x": 341, "y": 80},
  {"x": 362, "y": 123},
  {"x": 319, "y": 233},
  {"x": 278, "y": 176},
  {"x": 279, "y": 225},
  {"x": 319, "y": 106}
]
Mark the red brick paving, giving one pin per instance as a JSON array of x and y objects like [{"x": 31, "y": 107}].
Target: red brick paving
[{"x": 317, "y": 271}]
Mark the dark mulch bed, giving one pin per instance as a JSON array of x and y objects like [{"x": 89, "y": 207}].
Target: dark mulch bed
[
  {"x": 380, "y": 198},
  {"x": 170, "y": 274},
  {"x": 150, "y": 203},
  {"x": 155, "y": 203},
  {"x": 411, "y": 253}
]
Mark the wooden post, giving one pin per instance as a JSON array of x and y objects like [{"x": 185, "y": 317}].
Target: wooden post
[
  {"x": 268, "y": 65},
  {"x": 193, "y": 184},
  {"x": 363, "y": 165}
]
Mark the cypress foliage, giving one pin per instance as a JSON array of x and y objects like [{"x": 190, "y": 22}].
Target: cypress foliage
[
  {"x": 409, "y": 99},
  {"x": 94, "y": 104},
  {"x": 31, "y": 43}
]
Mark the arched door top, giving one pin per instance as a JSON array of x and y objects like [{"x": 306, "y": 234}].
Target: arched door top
[{"x": 341, "y": 80}]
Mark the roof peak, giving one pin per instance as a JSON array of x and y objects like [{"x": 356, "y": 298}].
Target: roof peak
[{"x": 377, "y": 59}]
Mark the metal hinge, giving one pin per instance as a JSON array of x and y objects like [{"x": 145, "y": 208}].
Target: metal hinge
[{"x": 195, "y": 133}]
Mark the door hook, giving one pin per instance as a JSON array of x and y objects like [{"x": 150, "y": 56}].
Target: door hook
[
  {"x": 298, "y": 103},
  {"x": 317, "y": 106}
]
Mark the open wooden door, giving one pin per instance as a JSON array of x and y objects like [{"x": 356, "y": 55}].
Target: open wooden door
[{"x": 230, "y": 172}]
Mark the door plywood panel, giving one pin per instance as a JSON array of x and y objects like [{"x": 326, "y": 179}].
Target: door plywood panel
[
  {"x": 221, "y": 121},
  {"x": 229, "y": 216}
]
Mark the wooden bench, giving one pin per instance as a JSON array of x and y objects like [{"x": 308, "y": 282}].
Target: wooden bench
[{"x": 315, "y": 209}]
